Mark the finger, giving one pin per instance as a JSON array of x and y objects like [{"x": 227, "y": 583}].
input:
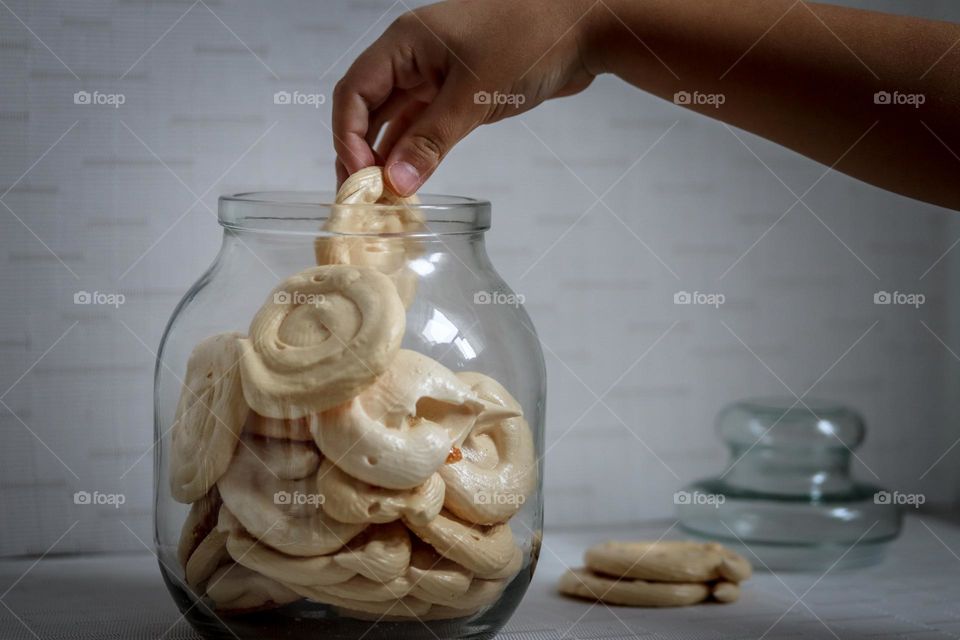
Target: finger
[
  {"x": 393, "y": 106},
  {"x": 396, "y": 127},
  {"x": 342, "y": 174},
  {"x": 418, "y": 152},
  {"x": 368, "y": 83},
  {"x": 398, "y": 102},
  {"x": 351, "y": 106}
]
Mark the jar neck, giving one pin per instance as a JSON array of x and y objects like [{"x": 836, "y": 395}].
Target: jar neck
[
  {"x": 278, "y": 254},
  {"x": 306, "y": 212}
]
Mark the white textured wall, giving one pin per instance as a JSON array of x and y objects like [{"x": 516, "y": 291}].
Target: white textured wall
[{"x": 100, "y": 212}]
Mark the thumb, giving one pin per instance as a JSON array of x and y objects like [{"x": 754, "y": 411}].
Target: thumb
[{"x": 420, "y": 149}]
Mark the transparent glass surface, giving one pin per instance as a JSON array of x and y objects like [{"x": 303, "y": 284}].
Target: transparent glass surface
[
  {"x": 459, "y": 313},
  {"x": 787, "y": 498}
]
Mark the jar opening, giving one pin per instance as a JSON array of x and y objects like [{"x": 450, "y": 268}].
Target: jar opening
[{"x": 305, "y": 212}]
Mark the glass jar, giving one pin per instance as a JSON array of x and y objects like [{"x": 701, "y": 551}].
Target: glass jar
[
  {"x": 788, "y": 497},
  {"x": 352, "y": 449}
]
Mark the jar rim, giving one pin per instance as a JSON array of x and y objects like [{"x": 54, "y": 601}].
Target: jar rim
[{"x": 304, "y": 212}]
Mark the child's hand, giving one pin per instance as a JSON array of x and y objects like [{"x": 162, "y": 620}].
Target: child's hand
[{"x": 442, "y": 70}]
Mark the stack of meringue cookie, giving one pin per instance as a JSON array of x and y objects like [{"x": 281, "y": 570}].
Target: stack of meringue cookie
[
  {"x": 323, "y": 462},
  {"x": 658, "y": 574}
]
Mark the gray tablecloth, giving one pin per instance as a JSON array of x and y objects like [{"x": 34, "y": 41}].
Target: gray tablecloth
[{"x": 915, "y": 593}]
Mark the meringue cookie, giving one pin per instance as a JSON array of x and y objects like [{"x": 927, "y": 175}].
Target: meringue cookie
[
  {"x": 668, "y": 561},
  {"x": 350, "y": 500},
  {"x": 283, "y": 459},
  {"x": 271, "y": 489},
  {"x": 399, "y": 431},
  {"x": 279, "y": 428},
  {"x": 381, "y": 552},
  {"x": 201, "y": 520},
  {"x": 484, "y": 488},
  {"x": 483, "y": 550},
  {"x": 310, "y": 571},
  {"x": 236, "y": 589},
  {"x": 210, "y": 416},
  {"x": 481, "y": 593},
  {"x": 359, "y": 588},
  {"x": 323, "y": 336},
  {"x": 209, "y": 555},
  {"x": 726, "y": 592},
  {"x": 582, "y": 583},
  {"x": 363, "y": 187},
  {"x": 430, "y": 573},
  {"x": 372, "y": 245},
  {"x": 511, "y": 569}
]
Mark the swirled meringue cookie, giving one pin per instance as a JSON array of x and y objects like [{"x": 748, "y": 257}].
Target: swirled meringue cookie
[
  {"x": 322, "y": 336},
  {"x": 359, "y": 588},
  {"x": 498, "y": 469},
  {"x": 381, "y": 552},
  {"x": 367, "y": 229},
  {"x": 209, "y": 556},
  {"x": 511, "y": 569},
  {"x": 235, "y": 589},
  {"x": 668, "y": 561},
  {"x": 297, "y": 429},
  {"x": 582, "y": 583},
  {"x": 725, "y": 592},
  {"x": 246, "y": 550},
  {"x": 485, "y": 551},
  {"x": 201, "y": 520},
  {"x": 430, "y": 573},
  {"x": 481, "y": 593},
  {"x": 399, "y": 431},
  {"x": 209, "y": 419},
  {"x": 350, "y": 500},
  {"x": 271, "y": 489},
  {"x": 658, "y": 574}
]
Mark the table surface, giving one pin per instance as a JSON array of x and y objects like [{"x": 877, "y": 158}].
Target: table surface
[{"x": 912, "y": 594}]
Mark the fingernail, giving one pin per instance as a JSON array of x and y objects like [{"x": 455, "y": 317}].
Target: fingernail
[{"x": 404, "y": 177}]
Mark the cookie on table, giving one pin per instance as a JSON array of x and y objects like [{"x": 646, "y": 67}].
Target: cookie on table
[
  {"x": 582, "y": 583},
  {"x": 726, "y": 592},
  {"x": 668, "y": 561}
]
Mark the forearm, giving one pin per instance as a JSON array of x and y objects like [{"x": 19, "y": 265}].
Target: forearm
[{"x": 807, "y": 83}]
